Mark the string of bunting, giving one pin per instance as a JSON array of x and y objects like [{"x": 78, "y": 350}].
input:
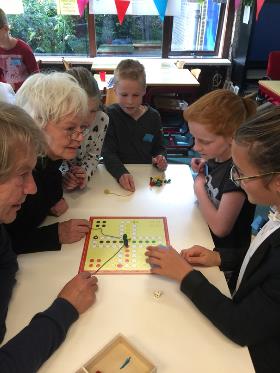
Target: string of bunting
[{"x": 161, "y": 5}]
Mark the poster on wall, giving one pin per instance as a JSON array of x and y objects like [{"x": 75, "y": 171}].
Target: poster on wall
[
  {"x": 67, "y": 7},
  {"x": 12, "y": 7},
  {"x": 136, "y": 7}
]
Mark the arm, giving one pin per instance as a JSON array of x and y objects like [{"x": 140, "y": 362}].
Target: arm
[
  {"x": 27, "y": 351},
  {"x": 38, "y": 239},
  {"x": 8, "y": 269},
  {"x": 158, "y": 142},
  {"x": 110, "y": 154},
  {"x": 242, "y": 320},
  {"x": 222, "y": 219}
]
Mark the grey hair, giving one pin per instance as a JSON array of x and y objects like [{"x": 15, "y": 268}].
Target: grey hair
[
  {"x": 17, "y": 129},
  {"x": 52, "y": 97},
  {"x": 261, "y": 135}
]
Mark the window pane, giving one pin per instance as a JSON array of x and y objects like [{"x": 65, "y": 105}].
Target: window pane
[
  {"x": 196, "y": 29},
  {"x": 49, "y": 33},
  {"x": 137, "y": 36}
]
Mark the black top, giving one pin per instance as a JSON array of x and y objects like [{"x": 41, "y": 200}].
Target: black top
[
  {"x": 251, "y": 318},
  {"x": 25, "y": 233},
  {"x": 29, "y": 349},
  {"x": 217, "y": 183},
  {"x": 8, "y": 268},
  {"x": 131, "y": 141}
]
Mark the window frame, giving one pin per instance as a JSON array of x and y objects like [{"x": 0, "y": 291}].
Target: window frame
[{"x": 167, "y": 36}]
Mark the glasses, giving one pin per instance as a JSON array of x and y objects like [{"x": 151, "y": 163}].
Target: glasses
[
  {"x": 74, "y": 134},
  {"x": 236, "y": 178}
]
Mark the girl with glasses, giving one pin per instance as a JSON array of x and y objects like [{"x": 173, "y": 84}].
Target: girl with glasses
[{"x": 251, "y": 317}]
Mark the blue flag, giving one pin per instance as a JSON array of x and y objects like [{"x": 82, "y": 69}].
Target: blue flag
[{"x": 161, "y": 7}]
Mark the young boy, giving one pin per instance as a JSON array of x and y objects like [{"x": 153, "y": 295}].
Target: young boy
[
  {"x": 134, "y": 132},
  {"x": 17, "y": 60},
  {"x": 213, "y": 120}
]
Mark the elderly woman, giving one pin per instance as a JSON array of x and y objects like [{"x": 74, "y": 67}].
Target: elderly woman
[{"x": 59, "y": 107}]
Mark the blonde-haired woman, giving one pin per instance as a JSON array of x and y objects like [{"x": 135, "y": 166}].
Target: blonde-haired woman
[{"x": 59, "y": 107}]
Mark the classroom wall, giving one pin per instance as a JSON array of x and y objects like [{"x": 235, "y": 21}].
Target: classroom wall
[{"x": 265, "y": 34}]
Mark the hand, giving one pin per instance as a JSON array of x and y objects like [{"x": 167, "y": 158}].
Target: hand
[
  {"x": 75, "y": 178},
  {"x": 199, "y": 183},
  {"x": 168, "y": 262},
  {"x": 80, "y": 291},
  {"x": 59, "y": 208},
  {"x": 200, "y": 256},
  {"x": 72, "y": 230},
  {"x": 127, "y": 182},
  {"x": 197, "y": 165},
  {"x": 160, "y": 162}
]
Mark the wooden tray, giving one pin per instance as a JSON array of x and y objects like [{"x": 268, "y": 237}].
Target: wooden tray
[{"x": 112, "y": 357}]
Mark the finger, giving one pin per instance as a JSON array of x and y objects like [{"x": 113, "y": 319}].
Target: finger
[
  {"x": 131, "y": 184},
  {"x": 82, "y": 222},
  {"x": 153, "y": 261}
]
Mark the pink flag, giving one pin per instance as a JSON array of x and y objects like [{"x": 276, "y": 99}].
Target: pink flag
[
  {"x": 122, "y": 6},
  {"x": 259, "y": 7},
  {"x": 236, "y": 4},
  {"x": 81, "y": 5}
]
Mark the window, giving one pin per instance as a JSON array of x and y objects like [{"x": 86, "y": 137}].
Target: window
[
  {"x": 49, "y": 33},
  {"x": 196, "y": 32},
  {"x": 137, "y": 36}
]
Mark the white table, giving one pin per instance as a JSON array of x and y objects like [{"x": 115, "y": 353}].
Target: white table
[{"x": 169, "y": 331}]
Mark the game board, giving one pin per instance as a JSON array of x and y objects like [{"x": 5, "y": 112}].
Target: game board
[{"x": 106, "y": 238}]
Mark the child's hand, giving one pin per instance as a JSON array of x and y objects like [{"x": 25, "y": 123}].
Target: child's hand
[
  {"x": 197, "y": 165},
  {"x": 199, "y": 183},
  {"x": 72, "y": 230},
  {"x": 127, "y": 182},
  {"x": 59, "y": 208},
  {"x": 75, "y": 178},
  {"x": 168, "y": 262},
  {"x": 160, "y": 162},
  {"x": 200, "y": 256}
]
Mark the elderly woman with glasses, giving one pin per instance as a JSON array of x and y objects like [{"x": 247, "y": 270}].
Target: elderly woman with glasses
[{"x": 59, "y": 107}]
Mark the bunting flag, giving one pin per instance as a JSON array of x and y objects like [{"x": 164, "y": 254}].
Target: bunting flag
[
  {"x": 236, "y": 4},
  {"x": 259, "y": 7},
  {"x": 161, "y": 7},
  {"x": 81, "y": 5},
  {"x": 122, "y": 6}
]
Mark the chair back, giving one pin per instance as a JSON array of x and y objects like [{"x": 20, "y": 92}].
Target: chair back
[{"x": 273, "y": 65}]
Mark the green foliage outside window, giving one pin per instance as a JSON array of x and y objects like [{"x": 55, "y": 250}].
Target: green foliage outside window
[{"x": 46, "y": 31}]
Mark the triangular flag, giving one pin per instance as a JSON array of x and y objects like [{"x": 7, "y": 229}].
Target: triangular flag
[
  {"x": 236, "y": 4},
  {"x": 81, "y": 5},
  {"x": 259, "y": 7},
  {"x": 122, "y": 6},
  {"x": 161, "y": 7}
]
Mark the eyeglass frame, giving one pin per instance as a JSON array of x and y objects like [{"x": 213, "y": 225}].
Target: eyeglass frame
[
  {"x": 77, "y": 133},
  {"x": 237, "y": 180}
]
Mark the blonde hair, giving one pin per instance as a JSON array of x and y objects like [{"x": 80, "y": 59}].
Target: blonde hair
[
  {"x": 131, "y": 70},
  {"x": 3, "y": 19},
  {"x": 221, "y": 111},
  {"x": 86, "y": 80},
  {"x": 17, "y": 130},
  {"x": 52, "y": 97}
]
